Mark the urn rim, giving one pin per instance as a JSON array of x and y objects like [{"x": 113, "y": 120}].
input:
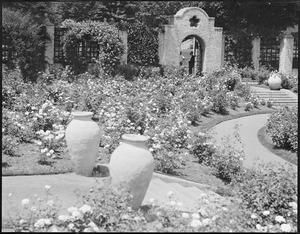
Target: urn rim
[
  {"x": 82, "y": 113},
  {"x": 135, "y": 137}
]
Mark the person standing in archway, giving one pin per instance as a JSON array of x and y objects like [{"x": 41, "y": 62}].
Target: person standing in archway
[
  {"x": 191, "y": 62},
  {"x": 182, "y": 58}
]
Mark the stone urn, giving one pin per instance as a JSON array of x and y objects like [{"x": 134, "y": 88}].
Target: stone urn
[
  {"x": 131, "y": 164},
  {"x": 274, "y": 81},
  {"x": 83, "y": 138}
]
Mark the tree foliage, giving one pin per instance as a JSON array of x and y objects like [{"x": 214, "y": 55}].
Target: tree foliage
[{"x": 28, "y": 42}]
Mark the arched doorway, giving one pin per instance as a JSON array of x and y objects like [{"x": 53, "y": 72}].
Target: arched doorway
[{"x": 192, "y": 54}]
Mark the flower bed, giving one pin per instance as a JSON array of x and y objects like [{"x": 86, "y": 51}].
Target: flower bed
[
  {"x": 162, "y": 106},
  {"x": 105, "y": 208},
  {"x": 165, "y": 107}
]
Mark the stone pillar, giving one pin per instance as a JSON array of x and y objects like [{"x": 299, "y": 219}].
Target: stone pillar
[
  {"x": 223, "y": 51},
  {"x": 256, "y": 52},
  {"x": 161, "y": 47},
  {"x": 49, "y": 50},
  {"x": 286, "y": 54},
  {"x": 124, "y": 36}
]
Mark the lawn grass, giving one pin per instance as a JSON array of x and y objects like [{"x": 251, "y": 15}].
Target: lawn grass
[
  {"x": 266, "y": 141},
  {"x": 26, "y": 162}
]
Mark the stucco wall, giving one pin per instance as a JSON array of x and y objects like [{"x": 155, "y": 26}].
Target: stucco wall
[{"x": 175, "y": 33}]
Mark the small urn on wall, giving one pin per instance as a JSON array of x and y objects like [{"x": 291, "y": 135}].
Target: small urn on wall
[
  {"x": 132, "y": 164},
  {"x": 274, "y": 81},
  {"x": 83, "y": 138}
]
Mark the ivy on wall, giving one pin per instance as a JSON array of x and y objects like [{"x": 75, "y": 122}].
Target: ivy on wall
[
  {"x": 142, "y": 44},
  {"x": 110, "y": 45},
  {"x": 238, "y": 50}
]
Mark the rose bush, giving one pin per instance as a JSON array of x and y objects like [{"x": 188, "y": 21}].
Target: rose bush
[{"x": 282, "y": 127}]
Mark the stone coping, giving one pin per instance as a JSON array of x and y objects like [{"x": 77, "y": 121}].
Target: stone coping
[{"x": 103, "y": 170}]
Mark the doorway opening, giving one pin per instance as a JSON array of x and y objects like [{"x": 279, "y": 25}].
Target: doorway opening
[{"x": 192, "y": 54}]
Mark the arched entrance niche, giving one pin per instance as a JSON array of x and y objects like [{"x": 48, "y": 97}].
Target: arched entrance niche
[
  {"x": 192, "y": 51},
  {"x": 192, "y": 22}
]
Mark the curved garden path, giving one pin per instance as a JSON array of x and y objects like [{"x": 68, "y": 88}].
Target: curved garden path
[{"x": 248, "y": 128}]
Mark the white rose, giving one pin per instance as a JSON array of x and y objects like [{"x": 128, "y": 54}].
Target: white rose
[
  {"x": 195, "y": 216},
  {"x": 179, "y": 204},
  {"x": 85, "y": 208},
  {"x": 266, "y": 213},
  {"x": 279, "y": 219},
  {"x": 170, "y": 194},
  {"x": 71, "y": 226},
  {"x": 125, "y": 216},
  {"x": 25, "y": 202},
  {"x": 72, "y": 209},
  {"x": 63, "y": 218},
  {"x": 76, "y": 214},
  {"x": 206, "y": 222},
  {"x": 50, "y": 203},
  {"x": 22, "y": 221},
  {"x": 285, "y": 227},
  {"x": 151, "y": 200},
  {"x": 196, "y": 223},
  {"x": 172, "y": 203},
  {"x": 185, "y": 215}
]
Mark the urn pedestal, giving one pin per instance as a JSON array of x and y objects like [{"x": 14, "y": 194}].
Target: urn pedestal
[
  {"x": 274, "y": 82},
  {"x": 83, "y": 138},
  {"x": 132, "y": 165}
]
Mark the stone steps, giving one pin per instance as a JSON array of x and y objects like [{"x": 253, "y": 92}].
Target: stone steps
[{"x": 280, "y": 97}]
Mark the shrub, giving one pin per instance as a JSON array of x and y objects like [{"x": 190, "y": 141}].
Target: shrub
[
  {"x": 227, "y": 161},
  {"x": 167, "y": 161},
  {"x": 231, "y": 79},
  {"x": 270, "y": 188},
  {"x": 270, "y": 103},
  {"x": 288, "y": 81},
  {"x": 27, "y": 43},
  {"x": 220, "y": 102},
  {"x": 243, "y": 90},
  {"x": 263, "y": 75},
  {"x": 129, "y": 71},
  {"x": 201, "y": 147},
  {"x": 282, "y": 127},
  {"x": 248, "y": 73},
  {"x": 111, "y": 46},
  {"x": 254, "y": 100}
]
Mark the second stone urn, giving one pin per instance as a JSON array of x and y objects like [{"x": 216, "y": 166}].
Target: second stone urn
[
  {"x": 132, "y": 165},
  {"x": 83, "y": 138},
  {"x": 274, "y": 81}
]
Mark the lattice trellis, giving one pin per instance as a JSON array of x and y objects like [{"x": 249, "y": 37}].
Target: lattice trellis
[
  {"x": 7, "y": 53},
  {"x": 238, "y": 52},
  {"x": 85, "y": 48},
  {"x": 58, "y": 45},
  {"x": 269, "y": 52}
]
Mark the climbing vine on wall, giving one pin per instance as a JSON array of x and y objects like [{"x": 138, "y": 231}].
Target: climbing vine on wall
[
  {"x": 142, "y": 44},
  {"x": 110, "y": 45},
  {"x": 238, "y": 50}
]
